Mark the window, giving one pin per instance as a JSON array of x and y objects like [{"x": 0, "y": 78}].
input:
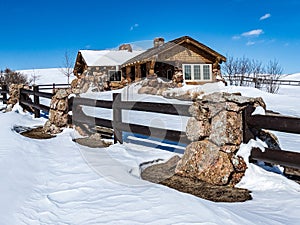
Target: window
[
  {"x": 114, "y": 75},
  {"x": 187, "y": 72},
  {"x": 206, "y": 72},
  {"x": 198, "y": 72}
]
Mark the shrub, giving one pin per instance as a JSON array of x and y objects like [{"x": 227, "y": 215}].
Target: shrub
[{"x": 8, "y": 77}]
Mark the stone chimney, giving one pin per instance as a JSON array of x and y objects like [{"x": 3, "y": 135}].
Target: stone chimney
[
  {"x": 125, "y": 47},
  {"x": 157, "y": 42}
]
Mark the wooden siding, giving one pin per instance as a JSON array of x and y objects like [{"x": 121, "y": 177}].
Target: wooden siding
[{"x": 186, "y": 54}]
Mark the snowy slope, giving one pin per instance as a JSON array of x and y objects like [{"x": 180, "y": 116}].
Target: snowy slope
[
  {"x": 47, "y": 76},
  {"x": 57, "y": 181}
]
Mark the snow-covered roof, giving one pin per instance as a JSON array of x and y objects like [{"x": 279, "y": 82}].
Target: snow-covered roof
[{"x": 107, "y": 57}]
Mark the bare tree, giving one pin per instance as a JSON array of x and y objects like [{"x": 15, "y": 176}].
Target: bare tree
[
  {"x": 34, "y": 77},
  {"x": 230, "y": 69},
  {"x": 275, "y": 71},
  {"x": 257, "y": 69},
  {"x": 244, "y": 71},
  {"x": 67, "y": 67}
]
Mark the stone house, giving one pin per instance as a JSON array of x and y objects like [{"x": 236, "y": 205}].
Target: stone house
[
  {"x": 198, "y": 63},
  {"x": 103, "y": 65}
]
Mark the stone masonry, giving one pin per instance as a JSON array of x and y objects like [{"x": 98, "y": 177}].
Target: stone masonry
[
  {"x": 216, "y": 132},
  {"x": 58, "y": 115}
]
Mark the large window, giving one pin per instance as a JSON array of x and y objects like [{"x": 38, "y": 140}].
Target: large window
[
  {"x": 114, "y": 75},
  {"x": 197, "y": 72}
]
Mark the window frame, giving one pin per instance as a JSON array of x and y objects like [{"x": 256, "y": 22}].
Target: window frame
[
  {"x": 192, "y": 66},
  {"x": 115, "y": 71}
]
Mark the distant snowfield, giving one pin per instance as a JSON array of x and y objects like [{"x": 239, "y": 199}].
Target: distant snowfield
[
  {"x": 57, "y": 181},
  {"x": 47, "y": 76}
]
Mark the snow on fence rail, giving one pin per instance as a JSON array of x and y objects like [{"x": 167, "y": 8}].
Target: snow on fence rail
[
  {"x": 275, "y": 122},
  {"x": 117, "y": 105}
]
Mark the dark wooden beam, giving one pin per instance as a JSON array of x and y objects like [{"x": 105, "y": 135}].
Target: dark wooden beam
[
  {"x": 280, "y": 157},
  {"x": 275, "y": 122}
]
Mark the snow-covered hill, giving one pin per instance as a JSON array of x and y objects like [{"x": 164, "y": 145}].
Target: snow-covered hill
[{"x": 47, "y": 76}]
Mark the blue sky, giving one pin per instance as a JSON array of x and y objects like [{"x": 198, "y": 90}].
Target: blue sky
[{"x": 35, "y": 34}]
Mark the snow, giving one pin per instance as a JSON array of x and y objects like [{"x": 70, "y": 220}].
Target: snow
[
  {"x": 295, "y": 76},
  {"x": 57, "y": 181},
  {"x": 107, "y": 57},
  {"x": 47, "y": 76},
  {"x": 259, "y": 111}
]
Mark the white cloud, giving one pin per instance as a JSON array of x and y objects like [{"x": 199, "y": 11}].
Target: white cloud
[
  {"x": 134, "y": 26},
  {"x": 253, "y": 33},
  {"x": 266, "y": 16},
  {"x": 249, "y": 43},
  {"x": 236, "y": 37}
]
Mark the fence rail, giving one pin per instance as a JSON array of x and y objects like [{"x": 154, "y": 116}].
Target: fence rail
[
  {"x": 261, "y": 80},
  {"x": 52, "y": 86},
  {"x": 275, "y": 122},
  {"x": 37, "y": 94},
  {"x": 117, "y": 105},
  {"x": 4, "y": 93}
]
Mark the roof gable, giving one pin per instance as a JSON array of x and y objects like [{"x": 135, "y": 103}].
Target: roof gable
[{"x": 152, "y": 52}]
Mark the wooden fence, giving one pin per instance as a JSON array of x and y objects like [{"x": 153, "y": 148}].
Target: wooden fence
[
  {"x": 261, "y": 80},
  {"x": 275, "y": 122},
  {"x": 37, "y": 94},
  {"x": 119, "y": 126}
]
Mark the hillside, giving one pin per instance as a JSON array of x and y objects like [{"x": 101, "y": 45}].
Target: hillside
[{"x": 47, "y": 76}]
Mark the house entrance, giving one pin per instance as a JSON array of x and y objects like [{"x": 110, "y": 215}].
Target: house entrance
[
  {"x": 143, "y": 70},
  {"x": 132, "y": 73},
  {"x": 164, "y": 70}
]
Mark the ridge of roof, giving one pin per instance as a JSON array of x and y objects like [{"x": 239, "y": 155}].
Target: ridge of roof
[{"x": 155, "y": 50}]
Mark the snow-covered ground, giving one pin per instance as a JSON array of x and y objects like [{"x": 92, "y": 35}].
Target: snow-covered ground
[
  {"x": 57, "y": 181},
  {"x": 47, "y": 76}
]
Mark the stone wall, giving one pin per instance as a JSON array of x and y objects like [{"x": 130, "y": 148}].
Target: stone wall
[
  {"x": 153, "y": 86},
  {"x": 58, "y": 115},
  {"x": 216, "y": 132},
  {"x": 14, "y": 95}
]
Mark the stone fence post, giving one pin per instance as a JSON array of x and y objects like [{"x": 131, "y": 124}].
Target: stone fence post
[{"x": 216, "y": 132}]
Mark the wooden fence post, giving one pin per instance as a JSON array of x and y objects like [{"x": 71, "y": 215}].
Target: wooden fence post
[
  {"x": 4, "y": 93},
  {"x": 53, "y": 88},
  {"x": 36, "y": 101},
  {"x": 247, "y": 134},
  {"x": 117, "y": 117}
]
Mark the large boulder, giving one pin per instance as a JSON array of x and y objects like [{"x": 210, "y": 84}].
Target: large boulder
[{"x": 204, "y": 160}]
